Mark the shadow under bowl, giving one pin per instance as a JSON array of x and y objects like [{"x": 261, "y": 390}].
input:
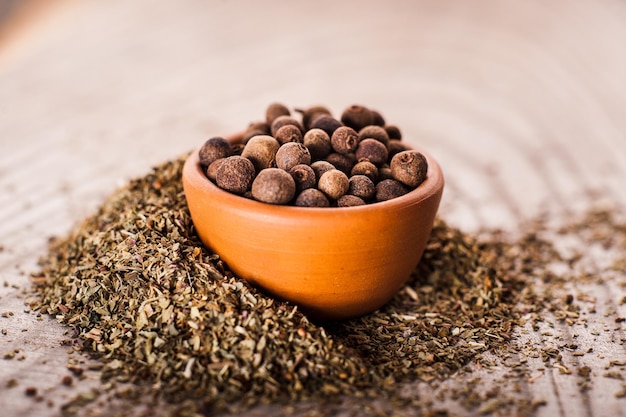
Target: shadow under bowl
[{"x": 334, "y": 263}]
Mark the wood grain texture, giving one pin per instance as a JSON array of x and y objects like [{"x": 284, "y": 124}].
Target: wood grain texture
[{"x": 522, "y": 102}]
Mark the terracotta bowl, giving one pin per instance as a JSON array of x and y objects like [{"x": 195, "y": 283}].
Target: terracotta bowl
[{"x": 334, "y": 263}]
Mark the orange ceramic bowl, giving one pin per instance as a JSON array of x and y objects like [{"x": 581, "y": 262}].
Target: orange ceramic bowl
[{"x": 334, "y": 263}]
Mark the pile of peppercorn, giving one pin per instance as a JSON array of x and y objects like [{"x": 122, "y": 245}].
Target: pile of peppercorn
[{"x": 316, "y": 160}]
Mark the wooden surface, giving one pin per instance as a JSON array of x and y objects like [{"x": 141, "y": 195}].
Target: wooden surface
[{"x": 522, "y": 102}]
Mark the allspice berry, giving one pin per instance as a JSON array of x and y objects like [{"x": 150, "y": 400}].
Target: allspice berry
[
  {"x": 327, "y": 123},
  {"x": 396, "y": 146},
  {"x": 312, "y": 197},
  {"x": 373, "y": 151},
  {"x": 211, "y": 171},
  {"x": 362, "y": 187},
  {"x": 310, "y": 113},
  {"x": 275, "y": 110},
  {"x": 292, "y": 154},
  {"x": 333, "y": 183},
  {"x": 343, "y": 162},
  {"x": 273, "y": 186},
  {"x": 318, "y": 143},
  {"x": 348, "y": 200},
  {"x": 357, "y": 117},
  {"x": 320, "y": 167},
  {"x": 377, "y": 118},
  {"x": 255, "y": 129},
  {"x": 393, "y": 131},
  {"x": 366, "y": 168},
  {"x": 374, "y": 132},
  {"x": 344, "y": 140},
  {"x": 384, "y": 173},
  {"x": 288, "y": 133},
  {"x": 214, "y": 148},
  {"x": 237, "y": 148},
  {"x": 388, "y": 189},
  {"x": 304, "y": 177},
  {"x": 281, "y": 121},
  {"x": 261, "y": 150},
  {"x": 235, "y": 174},
  {"x": 409, "y": 167}
]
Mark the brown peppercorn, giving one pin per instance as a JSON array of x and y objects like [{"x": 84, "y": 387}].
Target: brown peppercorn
[
  {"x": 30, "y": 391},
  {"x": 237, "y": 148},
  {"x": 357, "y": 117},
  {"x": 373, "y": 151},
  {"x": 292, "y": 154},
  {"x": 312, "y": 197},
  {"x": 344, "y": 140},
  {"x": 393, "y": 131},
  {"x": 319, "y": 167},
  {"x": 388, "y": 189},
  {"x": 333, "y": 183},
  {"x": 343, "y": 163},
  {"x": 214, "y": 148},
  {"x": 281, "y": 121},
  {"x": 235, "y": 174},
  {"x": 409, "y": 167},
  {"x": 384, "y": 173},
  {"x": 349, "y": 200},
  {"x": 374, "y": 132},
  {"x": 377, "y": 118},
  {"x": 273, "y": 186},
  {"x": 362, "y": 187},
  {"x": 261, "y": 150},
  {"x": 396, "y": 146},
  {"x": 365, "y": 168},
  {"x": 304, "y": 177},
  {"x": 275, "y": 110},
  {"x": 327, "y": 123},
  {"x": 255, "y": 129},
  {"x": 310, "y": 113},
  {"x": 211, "y": 171},
  {"x": 318, "y": 143},
  {"x": 67, "y": 380},
  {"x": 288, "y": 133}
]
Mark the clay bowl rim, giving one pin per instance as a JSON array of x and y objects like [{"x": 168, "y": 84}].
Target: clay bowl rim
[{"x": 433, "y": 183}]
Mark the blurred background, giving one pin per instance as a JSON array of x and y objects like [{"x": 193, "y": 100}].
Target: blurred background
[
  {"x": 522, "y": 102},
  {"x": 513, "y": 98}
]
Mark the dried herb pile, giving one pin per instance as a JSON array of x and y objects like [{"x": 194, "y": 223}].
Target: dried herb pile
[{"x": 165, "y": 315}]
